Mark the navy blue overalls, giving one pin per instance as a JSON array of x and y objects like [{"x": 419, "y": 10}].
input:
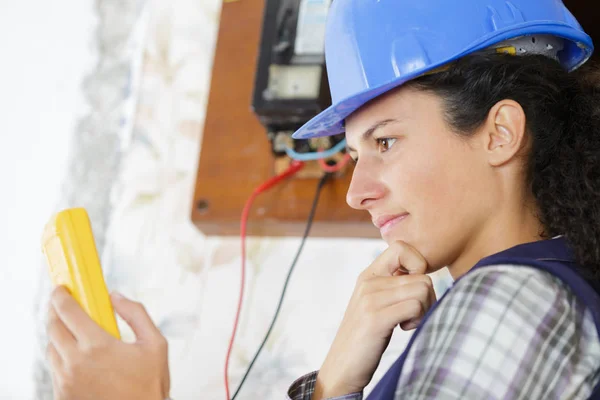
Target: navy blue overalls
[{"x": 552, "y": 256}]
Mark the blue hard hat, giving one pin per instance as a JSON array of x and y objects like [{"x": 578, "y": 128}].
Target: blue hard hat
[{"x": 372, "y": 46}]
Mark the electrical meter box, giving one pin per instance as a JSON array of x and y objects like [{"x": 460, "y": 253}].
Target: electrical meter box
[{"x": 291, "y": 81}]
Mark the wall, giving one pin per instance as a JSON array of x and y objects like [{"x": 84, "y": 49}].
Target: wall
[{"x": 46, "y": 52}]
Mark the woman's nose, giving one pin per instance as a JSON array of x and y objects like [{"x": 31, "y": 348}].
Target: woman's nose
[{"x": 365, "y": 188}]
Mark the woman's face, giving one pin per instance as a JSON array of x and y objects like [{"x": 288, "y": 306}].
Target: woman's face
[{"x": 421, "y": 182}]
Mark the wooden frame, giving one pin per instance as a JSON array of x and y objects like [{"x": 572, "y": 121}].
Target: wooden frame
[{"x": 235, "y": 153}]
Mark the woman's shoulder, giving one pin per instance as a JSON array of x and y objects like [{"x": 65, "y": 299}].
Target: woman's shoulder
[
  {"x": 521, "y": 292},
  {"x": 510, "y": 307},
  {"x": 516, "y": 279},
  {"x": 499, "y": 321}
]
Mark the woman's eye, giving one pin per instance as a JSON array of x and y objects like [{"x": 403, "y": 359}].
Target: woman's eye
[{"x": 384, "y": 144}]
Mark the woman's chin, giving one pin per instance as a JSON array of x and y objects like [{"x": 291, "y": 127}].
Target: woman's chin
[{"x": 391, "y": 237}]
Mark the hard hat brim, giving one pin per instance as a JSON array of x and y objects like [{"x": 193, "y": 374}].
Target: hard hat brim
[{"x": 331, "y": 121}]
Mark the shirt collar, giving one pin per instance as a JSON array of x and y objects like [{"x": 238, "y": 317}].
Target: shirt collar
[{"x": 555, "y": 249}]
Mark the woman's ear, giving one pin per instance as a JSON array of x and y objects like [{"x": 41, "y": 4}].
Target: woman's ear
[{"x": 504, "y": 134}]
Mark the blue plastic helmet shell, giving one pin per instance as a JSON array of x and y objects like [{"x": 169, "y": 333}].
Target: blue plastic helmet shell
[{"x": 373, "y": 46}]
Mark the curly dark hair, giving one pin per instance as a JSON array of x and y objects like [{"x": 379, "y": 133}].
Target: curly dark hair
[{"x": 563, "y": 121}]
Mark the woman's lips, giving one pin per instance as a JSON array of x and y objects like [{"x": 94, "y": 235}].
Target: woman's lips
[{"x": 387, "y": 222}]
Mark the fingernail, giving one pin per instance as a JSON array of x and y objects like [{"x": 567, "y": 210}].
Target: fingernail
[
  {"x": 117, "y": 295},
  {"x": 59, "y": 288},
  {"x": 401, "y": 271}
]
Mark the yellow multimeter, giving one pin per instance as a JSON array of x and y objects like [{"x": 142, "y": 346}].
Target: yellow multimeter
[{"x": 69, "y": 247}]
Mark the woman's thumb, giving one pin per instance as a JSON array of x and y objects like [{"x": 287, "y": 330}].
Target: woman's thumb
[{"x": 135, "y": 315}]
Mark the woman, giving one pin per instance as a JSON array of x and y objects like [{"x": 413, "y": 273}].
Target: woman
[
  {"x": 480, "y": 152},
  {"x": 476, "y": 148}
]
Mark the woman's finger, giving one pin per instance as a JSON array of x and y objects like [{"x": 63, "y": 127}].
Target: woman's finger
[
  {"x": 418, "y": 291},
  {"x": 399, "y": 313},
  {"x": 379, "y": 283},
  {"x": 75, "y": 319},
  {"x": 399, "y": 258},
  {"x": 137, "y": 318},
  {"x": 60, "y": 337},
  {"x": 57, "y": 394},
  {"x": 54, "y": 358}
]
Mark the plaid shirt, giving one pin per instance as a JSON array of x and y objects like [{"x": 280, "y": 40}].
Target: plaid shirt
[{"x": 501, "y": 333}]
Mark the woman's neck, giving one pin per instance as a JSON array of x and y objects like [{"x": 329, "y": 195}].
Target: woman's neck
[{"x": 501, "y": 232}]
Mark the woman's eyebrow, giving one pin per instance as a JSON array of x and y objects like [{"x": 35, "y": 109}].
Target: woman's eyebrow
[{"x": 369, "y": 132}]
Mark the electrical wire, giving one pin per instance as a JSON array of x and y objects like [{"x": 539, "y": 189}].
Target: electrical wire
[
  {"x": 309, "y": 222},
  {"x": 318, "y": 155},
  {"x": 294, "y": 167},
  {"x": 337, "y": 166}
]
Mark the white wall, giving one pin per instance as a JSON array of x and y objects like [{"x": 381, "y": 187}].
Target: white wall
[{"x": 47, "y": 47}]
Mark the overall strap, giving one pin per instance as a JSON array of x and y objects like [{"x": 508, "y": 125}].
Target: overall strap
[
  {"x": 552, "y": 256},
  {"x": 564, "y": 270}
]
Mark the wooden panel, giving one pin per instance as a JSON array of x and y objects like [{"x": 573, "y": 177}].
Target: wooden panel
[{"x": 235, "y": 153}]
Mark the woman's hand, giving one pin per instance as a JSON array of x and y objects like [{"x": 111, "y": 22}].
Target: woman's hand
[
  {"x": 88, "y": 363},
  {"x": 393, "y": 290}
]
